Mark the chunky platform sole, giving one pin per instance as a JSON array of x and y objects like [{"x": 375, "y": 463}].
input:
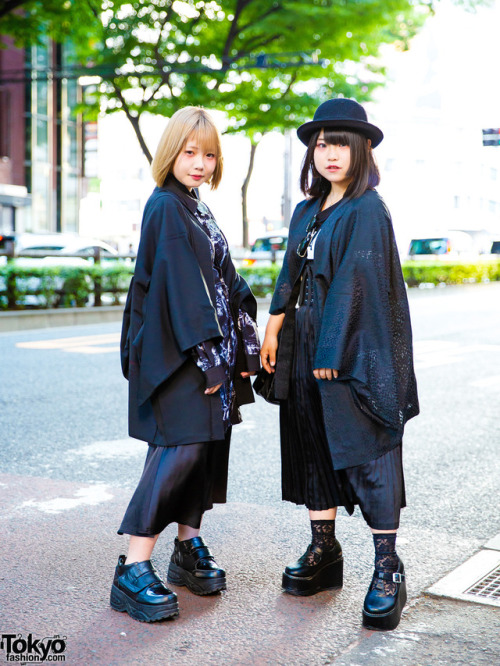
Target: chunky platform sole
[
  {"x": 178, "y": 576},
  {"x": 390, "y": 620},
  {"x": 142, "y": 612},
  {"x": 329, "y": 577}
]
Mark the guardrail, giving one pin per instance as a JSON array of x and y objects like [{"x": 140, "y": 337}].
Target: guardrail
[
  {"x": 49, "y": 285},
  {"x": 97, "y": 255}
]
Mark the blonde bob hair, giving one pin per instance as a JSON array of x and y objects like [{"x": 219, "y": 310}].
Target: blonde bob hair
[{"x": 191, "y": 120}]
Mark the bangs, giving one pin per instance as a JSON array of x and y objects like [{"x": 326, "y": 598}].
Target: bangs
[
  {"x": 337, "y": 137},
  {"x": 363, "y": 171},
  {"x": 206, "y": 137},
  {"x": 189, "y": 123}
]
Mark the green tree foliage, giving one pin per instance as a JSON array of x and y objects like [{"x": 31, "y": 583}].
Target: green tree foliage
[
  {"x": 266, "y": 63},
  {"x": 28, "y": 22}
]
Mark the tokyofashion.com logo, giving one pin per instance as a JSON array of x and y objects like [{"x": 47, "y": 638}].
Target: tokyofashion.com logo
[{"x": 33, "y": 650}]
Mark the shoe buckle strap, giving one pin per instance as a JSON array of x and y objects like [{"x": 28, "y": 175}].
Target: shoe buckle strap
[
  {"x": 202, "y": 553},
  {"x": 146, "y": 580},
  {"x": 395, "y": 577}
]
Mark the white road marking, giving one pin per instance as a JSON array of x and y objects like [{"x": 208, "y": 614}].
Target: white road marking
[
  {"x": 85, "y": 496},
  {"x": 82, "y": 344},
  {"x": 103, "y": 450},
  {"x": 93, "y": 350}
]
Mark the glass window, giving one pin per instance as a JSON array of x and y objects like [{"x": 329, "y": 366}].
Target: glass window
[
  {"x": 429, "y": 246},
  {"x": 269, "y": 244},
  {"x": 69, "y": 201},
  {"x": 41, "y": 149},
  {"x": 41, "y": 197},
  {"x": 42, "y": 96}
]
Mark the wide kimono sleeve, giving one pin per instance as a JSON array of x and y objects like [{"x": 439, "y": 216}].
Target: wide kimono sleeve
[
  {"x": 282, "y": 289},
  {"x": 177, "y": 311},
  {"x": 365, "y": 325},
  {"x": 244, "y": 311},
  {"x": 240, "y": 293},
  {"x": 292, "y": 263}
]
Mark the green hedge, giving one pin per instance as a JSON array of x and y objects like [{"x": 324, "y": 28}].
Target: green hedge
[
  {"x": 68, "y": 286},
  {"x": 447, "y": 272},
  {"x": 62, "y": 286},
  {"x": 263, "y": 280}
]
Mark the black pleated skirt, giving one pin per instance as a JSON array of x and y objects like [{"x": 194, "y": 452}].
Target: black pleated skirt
[
  {"x": 178, "y": 484},
  {"x": 308, "y": 475}
]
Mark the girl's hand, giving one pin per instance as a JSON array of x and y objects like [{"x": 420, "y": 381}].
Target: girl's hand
[
  {"x": 212, "y": 389},
  {"x": 248, "y": 374},
  {"x": 325, "y": 373},
  {"x": 268, "y": 352}
]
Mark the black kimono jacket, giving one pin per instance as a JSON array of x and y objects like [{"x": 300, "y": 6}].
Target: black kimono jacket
[
  {"x": 170, "y": 309},
  {"x": 361, "y": 314}
]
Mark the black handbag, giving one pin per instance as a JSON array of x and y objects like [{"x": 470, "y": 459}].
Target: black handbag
[{"x": 263, "y": 385}]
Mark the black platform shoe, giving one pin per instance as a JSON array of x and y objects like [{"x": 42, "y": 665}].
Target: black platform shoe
[
  {"x": 303, "y": 579},
  {"x": 382, "y": 611},
  {"x": 193, "y": 565},
  {"x": 139, "y": 591}
]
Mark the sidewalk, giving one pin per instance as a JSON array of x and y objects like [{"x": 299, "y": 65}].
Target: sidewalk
[
  {"x": 24, "y": 320},
  {"x": 57, "y": 562}
]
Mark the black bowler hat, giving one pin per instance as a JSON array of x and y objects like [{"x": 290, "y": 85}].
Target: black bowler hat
[{"x": 340, "y": 113}]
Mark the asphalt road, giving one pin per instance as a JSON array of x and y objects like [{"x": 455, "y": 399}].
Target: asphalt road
[{"x": 68, "y": 469}]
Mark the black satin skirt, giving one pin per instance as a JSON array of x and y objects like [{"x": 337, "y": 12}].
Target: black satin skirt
[
  {"x": 308, "y": 476},
  {"x": 178, "y": 484}
]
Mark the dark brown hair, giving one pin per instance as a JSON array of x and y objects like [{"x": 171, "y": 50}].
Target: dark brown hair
[{"x": 363, "y": 169}]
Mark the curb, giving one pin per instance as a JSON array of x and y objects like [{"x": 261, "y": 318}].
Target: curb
[
  {"x": 25, "y": 320},
  {"x": 30, "y": 319}
]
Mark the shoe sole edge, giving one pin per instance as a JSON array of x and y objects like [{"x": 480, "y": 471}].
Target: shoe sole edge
[
  {"x": 202, "y": 587},
  {"x": 386, "y": 621},
  {"x": 330, "y": 577},
  {"x": 120, "y": 602}
]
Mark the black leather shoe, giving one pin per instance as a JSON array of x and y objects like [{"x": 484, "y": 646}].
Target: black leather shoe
[
  {"x": 303, "y": 579},
  {"x": 382, "y": 611},
  {"x": 139, "y": 591},
  {"x": 193, "y": 565}
]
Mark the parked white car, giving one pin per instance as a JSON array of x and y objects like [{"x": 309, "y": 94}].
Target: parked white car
[{"x": 65, "y": 244}]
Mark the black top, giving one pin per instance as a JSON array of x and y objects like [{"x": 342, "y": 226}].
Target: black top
[
  {"x": 361, "y": 314},
  {"x": 171, "y": 308}
]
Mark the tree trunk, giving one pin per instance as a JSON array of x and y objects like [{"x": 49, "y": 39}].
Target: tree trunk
[
  {"x": 135, "y": 124},
  {"x": 134, "y": 121},
  {"x": 244, "y": 190}
]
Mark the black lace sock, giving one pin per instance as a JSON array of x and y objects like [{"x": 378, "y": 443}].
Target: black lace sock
[
  {"x": 386, "y": 559},
  {"x": 323, "y": 535}
]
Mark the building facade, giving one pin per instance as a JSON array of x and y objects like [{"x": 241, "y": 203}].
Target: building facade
[{"x": 40, "y": 140}]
